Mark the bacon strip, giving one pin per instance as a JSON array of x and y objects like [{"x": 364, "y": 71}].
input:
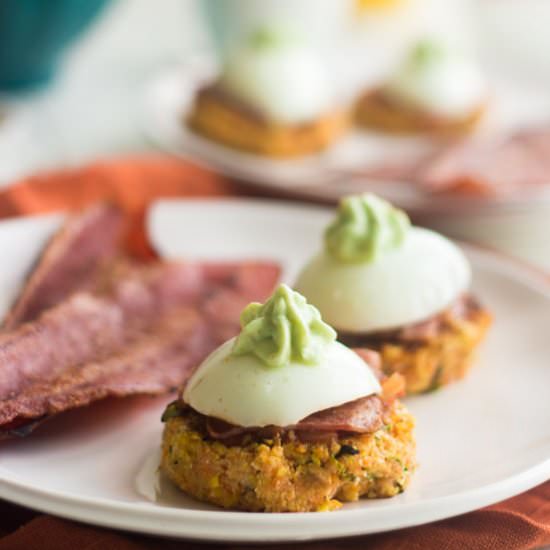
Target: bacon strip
[
  {"x": 72, "y": 261},
  {"x": 144, "y": 336},
  {"x": 86, "y": 326},
  {"x": 498, "y": 167},
  {"x": 364, "y": 415},
  {"x": 157, "y": 363},
  {"x": 463, "y": 308}
]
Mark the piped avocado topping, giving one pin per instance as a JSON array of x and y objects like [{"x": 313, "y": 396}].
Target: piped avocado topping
[
  {"x": 365, "y": 226},
  {"x": 283, "y": 330},
  {"x": 427, "y": 51},
  {"x": 270, "y": 37}
]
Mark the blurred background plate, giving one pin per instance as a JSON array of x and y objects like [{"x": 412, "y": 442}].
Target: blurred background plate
[
  {"x": 33, "y": 35},
  {"x": 327, "y": 176}
]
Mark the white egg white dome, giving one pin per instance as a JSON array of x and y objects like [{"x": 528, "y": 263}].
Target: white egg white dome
[
  {"x": 288, "y": 83},
  {"x": 405, "y": 285},
  {"x": 453, "y": 86},
  {"x": 242, "y": 390}
]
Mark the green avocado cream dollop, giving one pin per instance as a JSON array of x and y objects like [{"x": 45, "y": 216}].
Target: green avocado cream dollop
[
  {"x": 269, "y": 37},
  {"x": 427, "y": 51},
  {"x": 365, "y": 226},
  {"x": 285, "y": 329}
]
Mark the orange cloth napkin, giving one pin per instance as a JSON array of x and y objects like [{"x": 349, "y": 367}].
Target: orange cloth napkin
[{"x": 522, "y": 522}]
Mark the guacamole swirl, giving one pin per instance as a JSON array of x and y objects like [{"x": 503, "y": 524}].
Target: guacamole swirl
[
  {"x": 283, "y": 330},
  {"x": 365, "y": 226}
]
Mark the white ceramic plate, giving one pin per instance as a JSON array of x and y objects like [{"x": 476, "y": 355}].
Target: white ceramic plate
[
  {"x": 335, "y": 172},
  {"x": 479, "y": 441}
]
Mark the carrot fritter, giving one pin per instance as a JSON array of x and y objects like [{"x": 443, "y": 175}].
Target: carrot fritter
[
  {"x": 376, "y": 111},
  {"x": 290, "y": 475},
  {"x": 229, "y": 123}
]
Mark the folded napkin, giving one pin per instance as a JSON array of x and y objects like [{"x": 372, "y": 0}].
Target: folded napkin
[{"x": 522, "y": 522}]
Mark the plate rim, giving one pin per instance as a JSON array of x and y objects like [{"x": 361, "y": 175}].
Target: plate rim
[
  {"x": 196, "y": 524},
  {"x": 148, "y": 518}
]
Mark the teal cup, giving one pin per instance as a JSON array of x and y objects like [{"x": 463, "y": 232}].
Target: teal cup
[{"x": 33, "y": 35}]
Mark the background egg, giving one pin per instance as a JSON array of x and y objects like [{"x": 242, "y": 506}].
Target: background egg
[
  {"x": 453, "y": 86},
  {"x": 288, "y": 83},
  {"x": 402, "y": 286}
]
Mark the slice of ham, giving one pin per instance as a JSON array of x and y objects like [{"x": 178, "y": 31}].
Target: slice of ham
[
  {"x": 144, "y": 336},
  {"x": 72, "y": 261}
]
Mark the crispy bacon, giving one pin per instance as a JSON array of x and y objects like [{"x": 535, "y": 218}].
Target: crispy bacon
[
  {"x": 87, "y": 327},
  {"x": 485, "y": 168},
  {"x": 420, "y": 332},
  {"x": 364, "y": 415},
  {"x": 502, "y": 166},
  {"x": 72, "y": 261},
  {"x": 144, "y": 335},
  {"x": 154, "y": 364}
]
